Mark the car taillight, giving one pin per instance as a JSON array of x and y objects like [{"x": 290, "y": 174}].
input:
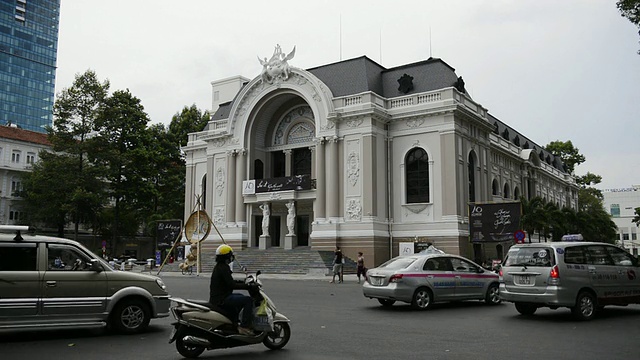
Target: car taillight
[
  {"x": 554, "y": 274},
  {"x": 395, "y": 278},
  {"x": 500, "y": 272}
]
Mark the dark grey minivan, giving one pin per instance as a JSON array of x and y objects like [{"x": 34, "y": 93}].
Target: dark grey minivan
[
  {"x": 582, "y": 276},
  {"x": 49, "y": 282}
]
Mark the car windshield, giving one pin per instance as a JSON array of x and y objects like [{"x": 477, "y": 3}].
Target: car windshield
[
  {"x": 530, "y": 256},
  {"x": 399, "y": 263}
]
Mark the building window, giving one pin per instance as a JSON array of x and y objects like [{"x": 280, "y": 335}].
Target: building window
[
  {"x": 495, "y": 189},
  {"x": 301, "y": 161},
  {"x": 505, "y": 192},
  {"x": 16, "y": 186},
  {"x": 31, "y": 158},
  {"x": 417, "y": 176},
  {"x": 15, "y": 156},
  {"x": 625, "y": 236}
]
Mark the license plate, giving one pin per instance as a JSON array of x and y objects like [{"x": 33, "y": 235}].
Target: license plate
[
  {"x": 376, "y": 281},
  {"x": 524, "y": 280}
]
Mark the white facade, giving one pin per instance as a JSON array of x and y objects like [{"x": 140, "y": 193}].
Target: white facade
[
  {"x": 19, "y": 149},
  {"x": 621, "y": 204},
  {"x": 362, "y": 140}
]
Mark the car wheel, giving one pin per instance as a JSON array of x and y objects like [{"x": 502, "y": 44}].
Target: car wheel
[
  {"x": 386, "y": 302},
  {"x": 585, "y": 308},
  {"x": 526, "y": 309},
  {"x": 421, "y": 299},
  {"x": 493, "y": 295},
  {"x": 279, "y": 337},
  {"x": 189, "y": 351},
  {"x": 130, "y": 316}
]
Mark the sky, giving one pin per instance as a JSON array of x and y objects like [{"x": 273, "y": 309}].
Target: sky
[{"x": 552, "y": 70}]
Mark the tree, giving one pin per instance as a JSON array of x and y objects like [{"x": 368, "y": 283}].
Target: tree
[
  {"x": 121, "y": 145},
  {"x": 532, "y": 219},
  {"x": 75, "y": 111},
  {"x": 569, "y": 154},
  {"x": 630, "y": 9},
  {"x": 169, "y": 181},
  {"x": 636, "y": 218}
]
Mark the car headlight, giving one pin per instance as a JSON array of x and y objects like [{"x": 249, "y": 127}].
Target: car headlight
[{"x": 161, "y": 284}]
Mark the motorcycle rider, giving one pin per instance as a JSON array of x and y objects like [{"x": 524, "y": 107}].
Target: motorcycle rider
[{"x": 222, "y": 286}]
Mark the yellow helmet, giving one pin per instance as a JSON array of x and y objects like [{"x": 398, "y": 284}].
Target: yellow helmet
[{"x": 224, "y": 249}]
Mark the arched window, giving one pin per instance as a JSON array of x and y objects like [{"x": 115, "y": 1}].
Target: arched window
[
  {"x": 417, "y": 176},
  {"x": 495, "y": 188},
  {"x": 506, "y": 193},
  {"x": 516, "y": 193},
  {"x": 204, "y": 191},
  {"x": 472, "y": 177}
]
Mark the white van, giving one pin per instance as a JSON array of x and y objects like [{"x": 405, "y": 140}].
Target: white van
[{"x": 582, "y": 276}]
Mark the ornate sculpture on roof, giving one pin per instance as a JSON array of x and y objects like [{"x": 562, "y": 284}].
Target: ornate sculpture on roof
[
  {"x": 276, "y": 67},
  {"x": 459, "y": 85}
]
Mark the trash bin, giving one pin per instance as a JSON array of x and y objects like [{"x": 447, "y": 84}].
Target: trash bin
[{"x": 151, "y": 263}]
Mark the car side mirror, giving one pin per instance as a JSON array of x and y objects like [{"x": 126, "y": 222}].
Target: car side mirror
[{"x": 95, "y": 265}]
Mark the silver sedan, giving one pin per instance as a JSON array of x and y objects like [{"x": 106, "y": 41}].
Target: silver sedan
[{"x": 424, "y": 279}]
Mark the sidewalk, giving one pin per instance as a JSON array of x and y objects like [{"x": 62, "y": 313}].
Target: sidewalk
[{"x": 348, "y": 278}]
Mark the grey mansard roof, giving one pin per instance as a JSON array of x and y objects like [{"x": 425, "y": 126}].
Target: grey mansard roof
[{"x": 362, "y": 74}]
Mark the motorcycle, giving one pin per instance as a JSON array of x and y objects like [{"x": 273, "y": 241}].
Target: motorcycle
[{"x": 202, "y": 326}]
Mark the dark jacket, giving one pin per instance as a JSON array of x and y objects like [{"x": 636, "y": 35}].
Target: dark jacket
[{"x": 222, "y": 284}]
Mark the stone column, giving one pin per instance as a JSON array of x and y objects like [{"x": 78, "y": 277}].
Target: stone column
[
  {"x": 231, "y": 186},
  {"x": 333, "y": 170},
  {"x": 241, "y": 174},
  {"x": 320, "y": 202},
  {"x": 287, "y": 162},
  {"x": 313, "y": 161}
]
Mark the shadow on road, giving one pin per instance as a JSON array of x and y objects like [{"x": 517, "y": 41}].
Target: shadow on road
[
  {"x": 69, "y": 333},
  {"x": 404, "y": 307}
]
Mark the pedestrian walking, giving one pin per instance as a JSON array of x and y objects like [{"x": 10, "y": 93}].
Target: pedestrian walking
[
  {"x": 337, "y": 265},
  {"x": 361, "y": 270}
]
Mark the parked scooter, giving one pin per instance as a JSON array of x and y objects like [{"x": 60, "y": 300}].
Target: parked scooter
[{"x": 201, "y": 326}]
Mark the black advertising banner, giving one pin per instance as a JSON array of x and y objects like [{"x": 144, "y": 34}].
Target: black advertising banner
[
  {"x": 167, "y": 232},
  {"x": 494, "y": 221},
  {"x": 297, "y": 182}
]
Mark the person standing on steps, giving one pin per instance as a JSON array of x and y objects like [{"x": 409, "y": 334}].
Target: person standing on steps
[{"x": 337, "y": 265}]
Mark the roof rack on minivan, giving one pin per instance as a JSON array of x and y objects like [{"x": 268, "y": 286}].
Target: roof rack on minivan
[{"x": 14, "y": 228}]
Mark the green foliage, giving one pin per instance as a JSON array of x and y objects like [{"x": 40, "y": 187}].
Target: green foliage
[
  {"x": 630, "y": 9},
  {"x": 569, "y": 154},
  {"x": 546, "y": 219},
  {"x": 121, "y": 143},
  {"x": 109, "y": 170},
  {"x": 636, "y": 218}
]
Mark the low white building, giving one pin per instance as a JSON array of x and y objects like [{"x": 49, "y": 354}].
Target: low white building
[
  {"x": 360, "y": 156},
  {"x": 621, "y": 204},
  {"x": 19, "y": 149}
]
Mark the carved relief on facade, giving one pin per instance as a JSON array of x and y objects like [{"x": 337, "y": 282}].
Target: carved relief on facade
[
  {"x": 303, "y": 129},
  {"x": 415, "y": 122},
  {"x": 218, "y": 217},
  {"x": 354, "y": 209},
  {"x": 219, "y": 142},
  {"x": 220, "y": 180},
  {"x": 353, "y": 168},
  {"x": 354, "y": 123}
]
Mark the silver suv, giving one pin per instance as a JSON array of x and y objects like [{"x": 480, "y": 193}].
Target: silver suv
[
  {"x": 48, "y": 282},
  {"x": 582, "y": 276}
]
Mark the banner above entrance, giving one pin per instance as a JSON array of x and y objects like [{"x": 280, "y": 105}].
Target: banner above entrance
[{"x": 297, "y": 182}]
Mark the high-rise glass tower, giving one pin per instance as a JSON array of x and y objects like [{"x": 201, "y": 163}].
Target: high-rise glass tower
[{"x": 28, "y": 51}]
